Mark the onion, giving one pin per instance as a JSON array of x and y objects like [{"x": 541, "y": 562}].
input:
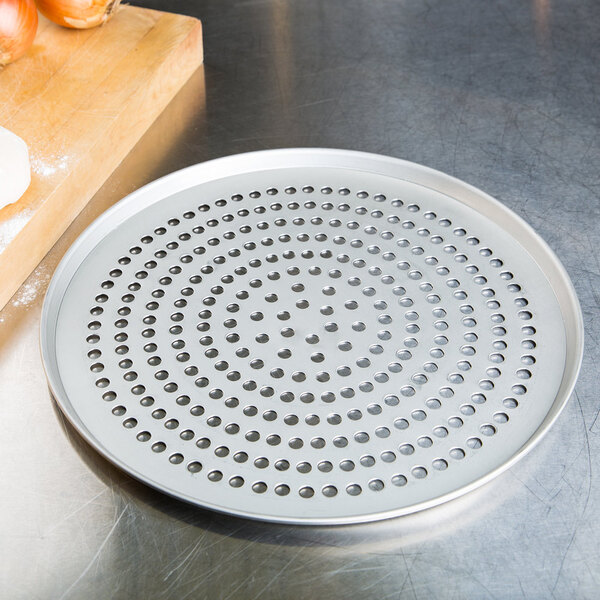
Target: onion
[
  {"x": 78, "y": 14},
  {"x": 18, "y": 24}
]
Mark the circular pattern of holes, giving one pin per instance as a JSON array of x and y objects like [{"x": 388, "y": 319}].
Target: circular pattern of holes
[{"x": 295, "y": 378}]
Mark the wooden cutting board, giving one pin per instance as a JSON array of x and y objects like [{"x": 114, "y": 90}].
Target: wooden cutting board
[{"x": 81, "y": 100}]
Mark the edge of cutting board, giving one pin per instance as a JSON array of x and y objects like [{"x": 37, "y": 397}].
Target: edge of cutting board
[{"x": 163, "y": 56}]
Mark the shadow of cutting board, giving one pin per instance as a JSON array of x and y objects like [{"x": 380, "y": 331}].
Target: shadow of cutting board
[{"x": 81, "y": 100}]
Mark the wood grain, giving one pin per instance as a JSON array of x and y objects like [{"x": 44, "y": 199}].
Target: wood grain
[{"x": 81, "y": 100}]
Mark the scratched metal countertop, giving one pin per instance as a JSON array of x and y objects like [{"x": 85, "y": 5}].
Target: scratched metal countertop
[{"x": 504, "y": 95}]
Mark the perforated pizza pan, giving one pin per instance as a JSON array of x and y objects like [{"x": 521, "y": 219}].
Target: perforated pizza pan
[{"x": 311, "y": 336}]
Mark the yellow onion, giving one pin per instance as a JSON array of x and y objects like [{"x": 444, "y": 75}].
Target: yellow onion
[
  {"x": 18, "y": 24},
  {"x": 78, "y": 14}
]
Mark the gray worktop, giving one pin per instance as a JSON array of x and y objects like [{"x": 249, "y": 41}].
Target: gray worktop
[{"x": 504, "y": 95}]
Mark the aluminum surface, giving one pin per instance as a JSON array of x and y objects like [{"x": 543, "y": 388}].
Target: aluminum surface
[{"x": 311, "y": 336}]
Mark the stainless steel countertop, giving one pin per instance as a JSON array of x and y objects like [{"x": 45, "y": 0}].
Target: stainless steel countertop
[{"x": 503, "y": 95}]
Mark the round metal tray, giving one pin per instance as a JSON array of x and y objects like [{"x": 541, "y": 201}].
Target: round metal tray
[{"x": 311, "y": 336}]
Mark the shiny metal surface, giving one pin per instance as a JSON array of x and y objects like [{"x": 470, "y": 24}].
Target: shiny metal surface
[{"x": 502, "y": 95}]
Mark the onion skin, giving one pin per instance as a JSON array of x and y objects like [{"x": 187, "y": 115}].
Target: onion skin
[
  {"x": 78, "y": 14},
  {"x": 18, "y": 26}
]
